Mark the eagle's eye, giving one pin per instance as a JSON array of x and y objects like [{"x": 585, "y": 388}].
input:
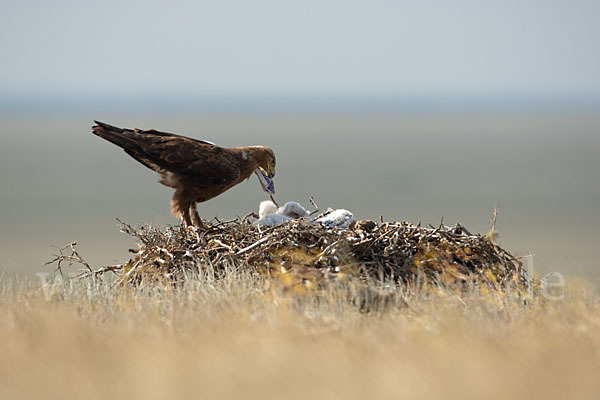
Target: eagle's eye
[{"x": 272, "y": 169}]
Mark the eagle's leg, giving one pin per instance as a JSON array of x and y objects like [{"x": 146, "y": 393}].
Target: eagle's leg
[
  {"x": 185, "y": 215},
  {"x": 180, "y": 206},
  {"x": 196, "y": 220}
]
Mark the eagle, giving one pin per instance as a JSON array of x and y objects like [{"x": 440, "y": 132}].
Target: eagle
[{"x": 198, "y": 170}]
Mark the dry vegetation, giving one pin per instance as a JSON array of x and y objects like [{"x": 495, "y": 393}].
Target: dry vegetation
[
  {"x": 311, "y": 256},
  {"x": 243, "y": 333}
]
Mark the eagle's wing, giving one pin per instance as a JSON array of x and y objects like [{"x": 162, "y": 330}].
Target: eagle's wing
[{"x": 199, "y": 161}]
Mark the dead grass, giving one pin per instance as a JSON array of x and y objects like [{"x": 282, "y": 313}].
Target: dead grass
[{"x": 243, "y": 337}]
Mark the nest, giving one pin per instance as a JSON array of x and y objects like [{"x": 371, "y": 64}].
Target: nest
[{"x": 306, "y": 253}]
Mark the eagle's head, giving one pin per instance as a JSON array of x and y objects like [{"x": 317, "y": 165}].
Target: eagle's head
[
  {"x": 261, "y": 160},
  {"x": 265, "y": 160}
]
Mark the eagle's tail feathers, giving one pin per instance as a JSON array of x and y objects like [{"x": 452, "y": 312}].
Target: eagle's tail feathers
[
  {"x": 128, "y": 140},
  {"x": 118, "y": 136},
  {"x": 106, "y": 126}
]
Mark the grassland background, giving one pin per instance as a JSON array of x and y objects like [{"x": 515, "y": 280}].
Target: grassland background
[{"x": 240, "y": 338}]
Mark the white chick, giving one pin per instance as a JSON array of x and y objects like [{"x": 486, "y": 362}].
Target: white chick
[
  {"x": 339, "y": 218},
  {"x": 293, "y": 210},
  {"x": 270, "y": 215},
  {"x": 272, "y": 219},
  {"x": 265, "y": 208}
]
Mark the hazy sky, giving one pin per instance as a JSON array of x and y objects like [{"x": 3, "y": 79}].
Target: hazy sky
[{"x": 237, "y": 47}]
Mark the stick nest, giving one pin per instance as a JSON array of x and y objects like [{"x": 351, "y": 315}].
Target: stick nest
[{"x": 307, "y": 253}]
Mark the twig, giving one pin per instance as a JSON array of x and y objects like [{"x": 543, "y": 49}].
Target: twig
[
  {"x": 253, "y": 245},
  {"x": 222, "y": 244},
  {"x": 326, "y": 250},
  {"x": 74, "y": 257},
  {"x": 493, "y": 227},
  {"x": 250, "y": 214}
]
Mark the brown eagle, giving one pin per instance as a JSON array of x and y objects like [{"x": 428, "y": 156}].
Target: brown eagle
[{"x": 198, "y": 170}]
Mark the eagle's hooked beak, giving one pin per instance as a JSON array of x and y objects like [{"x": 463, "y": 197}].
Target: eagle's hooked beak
[{"x": 269, "y": 172}]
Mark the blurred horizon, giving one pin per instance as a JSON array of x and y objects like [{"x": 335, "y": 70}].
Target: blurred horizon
[{"x": 326, "y": 102}]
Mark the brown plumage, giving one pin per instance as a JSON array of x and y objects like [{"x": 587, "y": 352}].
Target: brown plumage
[{"x": 196, "y": 169}]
